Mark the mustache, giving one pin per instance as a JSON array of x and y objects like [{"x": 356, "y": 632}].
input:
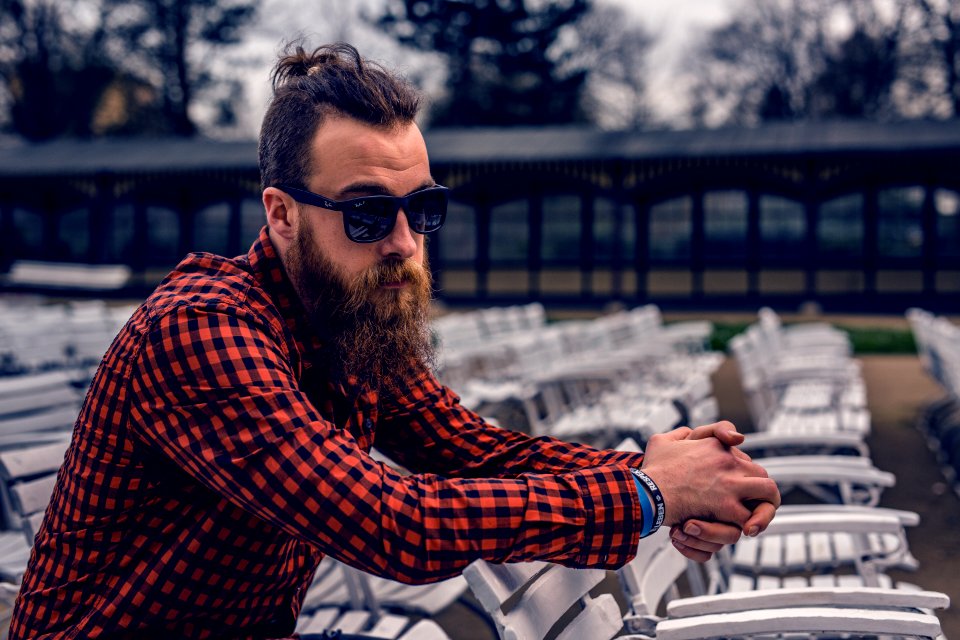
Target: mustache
[
  {"x": 388, "y": 272},
  {"x": 366, "y": 284}
]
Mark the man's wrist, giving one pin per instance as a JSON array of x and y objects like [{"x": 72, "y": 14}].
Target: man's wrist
[{"x": 652, "y": 505}]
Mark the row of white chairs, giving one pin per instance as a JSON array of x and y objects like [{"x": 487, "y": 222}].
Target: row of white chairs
[
  {"x": 595, "y": 380},
  {"x": 801, "y": 379},
  {"x": 819, "y": 570},
  {"x": 938, "y": 346},
  {"x": 38, "y": 336},
  {"x": 834, "y": 583}
]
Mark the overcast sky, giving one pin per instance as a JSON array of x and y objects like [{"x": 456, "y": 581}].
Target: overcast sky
[{"x": 677, "y": 25}]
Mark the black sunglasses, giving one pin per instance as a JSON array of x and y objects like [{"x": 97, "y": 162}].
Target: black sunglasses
[{"x": 372, "y": 218}]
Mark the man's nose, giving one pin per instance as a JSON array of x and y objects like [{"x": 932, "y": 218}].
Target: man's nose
[{"x": 401, "y": 242}]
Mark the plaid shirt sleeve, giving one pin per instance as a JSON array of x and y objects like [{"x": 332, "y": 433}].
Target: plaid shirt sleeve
[
  {"x": 426, "y": 428},
  {"x": 216, "y": 394}
]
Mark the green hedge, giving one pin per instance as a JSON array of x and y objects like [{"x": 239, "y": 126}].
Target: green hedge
[{"x": 865, "y": 340}]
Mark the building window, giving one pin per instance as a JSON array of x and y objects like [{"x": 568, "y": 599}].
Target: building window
[
  {"x": 73, "y": 236},
  {"x": 458, "y": 239},
  {"x": 670, "y": 230},
  {"x": 211, "y": 229},
  {"x": 252, "y": 219},
  {"x": 120, "y": 235},
  {"x": 163, "y": 235},
  {"x": 900, "y": 230},
  {"x": 783, "y": 227},
  {"x": 510, "y": 232},
  {"x": 561, "y": 229},
  {"x": 606, "y": 235},
  {"x": 725, "y": 225},
  {"x": 840, "y": 227},
  {"x": 947, "y": 204},
  {"x": 28, "y": 233}
]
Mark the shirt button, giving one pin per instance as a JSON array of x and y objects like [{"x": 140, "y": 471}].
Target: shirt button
[
  {"x": 603, "y": 558},
  {"x": 368, "y": 424}
]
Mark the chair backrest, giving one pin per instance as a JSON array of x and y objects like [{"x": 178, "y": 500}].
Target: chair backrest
[
  {"x": 27, "y": 479},
  {"x": 527, "y": 600},
  {"x": 649, "y": 578},
  {"x": 37, "y": 408}
]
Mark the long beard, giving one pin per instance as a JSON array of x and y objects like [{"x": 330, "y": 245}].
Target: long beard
[{"x": 370, "y": 333}]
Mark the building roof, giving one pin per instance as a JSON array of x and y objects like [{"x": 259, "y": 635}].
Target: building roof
[{"x": 498, "y": 145}]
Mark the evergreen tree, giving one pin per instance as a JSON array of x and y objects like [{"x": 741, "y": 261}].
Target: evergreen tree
[
  {"x": 156, "y": 38},
  {"x": 93, "y": 67},
  {"x": 504, "y": 58}
]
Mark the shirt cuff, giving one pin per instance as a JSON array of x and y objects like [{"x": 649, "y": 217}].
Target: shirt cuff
[{"x": 612, "y": 530}]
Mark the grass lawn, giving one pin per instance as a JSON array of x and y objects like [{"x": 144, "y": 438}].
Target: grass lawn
[{"x": 866, "y": 340}]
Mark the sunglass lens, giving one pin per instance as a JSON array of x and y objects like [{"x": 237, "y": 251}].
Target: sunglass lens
[
  {"x": 369, "y": 224},
  {"x": 428, "y": 210}
]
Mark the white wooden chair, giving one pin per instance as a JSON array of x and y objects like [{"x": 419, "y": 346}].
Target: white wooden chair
[
  {"x": 842, "y": 546},
  {"x": 387, "y": 626},
  {"x": 870, "y": 614},
  {"x": 337, "y": 584},
  {"x": 650, "y": 581},
  {"x": 27, "y": 479},
  {"x": 765, "y": 444},
  {"x": 527, "y": 600},
  {"x": 345, "y": 599},
  {"x": 830, "y": 478},
  {"x": 37, "y": 408},
  {"x": 341, "y": 598},
  {"x": 799, "y": 382}
]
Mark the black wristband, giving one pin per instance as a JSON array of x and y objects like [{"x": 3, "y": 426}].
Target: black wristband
[{"x": 654, "y": 490}]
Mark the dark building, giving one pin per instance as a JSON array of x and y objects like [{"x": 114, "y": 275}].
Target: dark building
[{"x": 851, "y": 215}]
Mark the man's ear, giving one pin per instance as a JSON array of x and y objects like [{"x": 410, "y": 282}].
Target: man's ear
[{"x": 282, "y": 213}]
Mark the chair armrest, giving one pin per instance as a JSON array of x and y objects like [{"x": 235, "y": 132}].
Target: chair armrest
[
  {"x": 808, "y": 597},
  {"x": 801, "y": 620}
]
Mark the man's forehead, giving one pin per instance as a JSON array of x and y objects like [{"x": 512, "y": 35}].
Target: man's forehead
[{"x": 347, "y": 154}]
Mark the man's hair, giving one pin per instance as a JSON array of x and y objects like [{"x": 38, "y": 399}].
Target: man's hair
[{"x": 332, "y": 80}]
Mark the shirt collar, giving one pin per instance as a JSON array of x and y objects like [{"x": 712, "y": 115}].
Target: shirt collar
[{"x": 268, "y": 269}]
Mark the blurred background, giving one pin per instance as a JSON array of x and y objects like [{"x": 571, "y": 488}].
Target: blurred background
[
  {"x": 707, "y": 156},
  {"x": 702, "y": 154}
]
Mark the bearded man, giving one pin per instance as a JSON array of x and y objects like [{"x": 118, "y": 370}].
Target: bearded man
[{"x": 224, "y": 447}]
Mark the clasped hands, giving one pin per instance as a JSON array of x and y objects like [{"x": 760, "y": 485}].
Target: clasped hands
[{"x": 713, "y": 492}]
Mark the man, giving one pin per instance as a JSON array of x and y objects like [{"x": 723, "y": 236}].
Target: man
[{"x": 223, "y": 449}]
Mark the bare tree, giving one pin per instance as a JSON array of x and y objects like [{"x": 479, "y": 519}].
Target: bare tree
[
  {"x": 792, "y": 59},
  {"x": 51, "y": 74},
  {"x": 172, "y": 43},
  {"x": 761, "y": 64},
  {"x": 862, "y": 68},
  {"x": 940, "y": 53},
  {"x": 91, "y": 67},
  {"x": 613, "y": 48}
]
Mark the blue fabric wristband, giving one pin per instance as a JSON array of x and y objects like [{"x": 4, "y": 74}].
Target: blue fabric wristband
[
  {"x": 646, "y": 508},
  {"x": 653, "y": 501}
]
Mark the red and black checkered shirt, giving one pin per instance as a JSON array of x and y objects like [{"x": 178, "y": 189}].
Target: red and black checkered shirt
[{"x": 211, "y": 469}]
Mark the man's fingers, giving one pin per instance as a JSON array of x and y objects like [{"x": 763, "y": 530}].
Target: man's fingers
[
  {"x": 710, "y": 533},
  {"x": 740, "y": 454},
  {"x": 723, "y": 431},
  {"x": 759, "y": 489},
  {"x": 760, "y": 519},
  {"x": 689, "y": 552},
  {"x": 680, "y": 433}
]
